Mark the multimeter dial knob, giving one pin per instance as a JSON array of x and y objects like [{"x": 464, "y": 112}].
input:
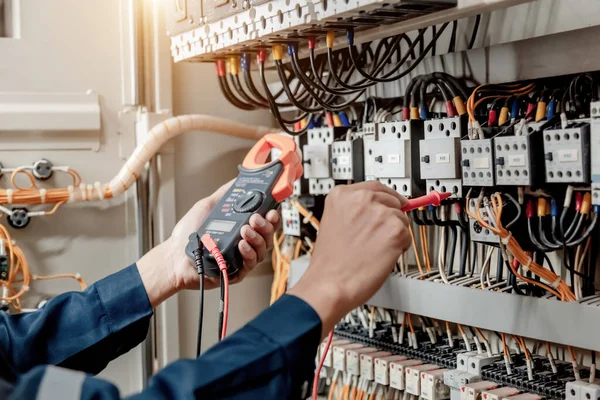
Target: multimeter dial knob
[{"x": 249, "y": 202}]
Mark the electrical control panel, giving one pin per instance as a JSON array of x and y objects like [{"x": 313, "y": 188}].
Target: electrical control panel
[
  {"x": 440, "y": 155},
  {"x": 394, "y": 156},
  {"x": 347, "y": 160},
  {"x": 478, "y": 162},
  {"x": 567, "y": 153}
]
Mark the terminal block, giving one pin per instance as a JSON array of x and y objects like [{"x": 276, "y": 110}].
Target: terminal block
[
  {"x": 478, "y": 162},
  {"x": 347, "y": 160},
  {"x": 317, "y": 160},
  {"x": 567, "y": 153},
  {"x": 440, "y": 157},
  {"x": 518, "y": 160},
  {"x": 292, "y": 222},
  {"x": 390, "y": 156},
  {"x": 595, "y": 149}
]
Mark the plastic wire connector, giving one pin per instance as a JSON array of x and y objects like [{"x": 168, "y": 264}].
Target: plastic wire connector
[
  {"x": 423, "y": 112},
  {"x": 586, "y": 204},
  {"x": 578, "y": 200},
  {"x": 291, "y": 48},
  {"x": 414, "y": 113},
  {"x": 551, "y": 110},
  {"x": 530, "y": 108},
  {"x": 553, "y": 208},
  {"x": 460, "y": 105},
  {"x": 261, "y": 57},
  {"x": 450, "y": 111},
  {"x": 540, "y": 112},
  {"x": 541, "y": 207},
  {"x": 277, "y": 52},
  {"x": 221, "y": 68},
  {"x": 596, "y": 209},
  {"x": 350, "y": 37},
  {"x": 507, "y": 364},
  {"x": 330, "y": 39},
  {"x": 312, "y": 42},
  {"x": 492, "y": 118},
  {"x": 234, "y": 65},
  {"x": 514, "y": 111},
  {"x": 503, "y": 116},
  {"x": 568, "y": 197},
  {"x": 405, "y": 114},
  {"x": 529, "y": 208},
  {"x": 244, "y": 63}
]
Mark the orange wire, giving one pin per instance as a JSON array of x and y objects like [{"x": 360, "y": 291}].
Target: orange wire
[
  {"x": 29, "y": 175},
  {"x": 414, "y": 246},
  {"x": 505, "y": 347}
]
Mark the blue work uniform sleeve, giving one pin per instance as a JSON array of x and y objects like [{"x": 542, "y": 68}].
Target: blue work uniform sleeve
[
  {"x": 270, "y": 358},
  {"x": 82, "y": 331}
]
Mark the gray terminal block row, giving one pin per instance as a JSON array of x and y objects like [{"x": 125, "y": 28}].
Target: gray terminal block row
[
  {"x": 595, "y": 149},
  {"x": 478, "y": 162},
  {"x": 440, "y": 155},
  {"x": 567, "y": 153}
]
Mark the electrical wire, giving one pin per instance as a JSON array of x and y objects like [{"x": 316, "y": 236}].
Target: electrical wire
[{"x": 315, "y": 387}]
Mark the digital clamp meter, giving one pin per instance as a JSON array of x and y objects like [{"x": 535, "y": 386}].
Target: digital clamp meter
[{"x": 258, "y": 188}]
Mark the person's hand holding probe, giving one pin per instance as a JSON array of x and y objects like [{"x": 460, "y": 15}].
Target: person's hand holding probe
[
  {"x": 363, "y": 233},
  {"x": 166, "y": 269}
]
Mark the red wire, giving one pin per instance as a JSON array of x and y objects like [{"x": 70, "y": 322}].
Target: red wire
[
  {"x": 212, "y": 247},
  {"x": 315, "y": 391},
  {"x": 225, "y": 303}
]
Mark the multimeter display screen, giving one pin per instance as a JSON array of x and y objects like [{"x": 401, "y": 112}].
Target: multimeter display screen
[{"x": 220, "y": 225}]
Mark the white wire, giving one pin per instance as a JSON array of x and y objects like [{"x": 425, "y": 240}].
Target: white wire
[{"x": 485, "y": 269}]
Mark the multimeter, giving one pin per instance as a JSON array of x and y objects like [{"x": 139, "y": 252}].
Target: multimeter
[{"x": 259, "y": 188}]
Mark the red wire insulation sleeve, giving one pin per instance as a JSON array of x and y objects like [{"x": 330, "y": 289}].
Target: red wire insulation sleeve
[{"x": 212, "y": 247}]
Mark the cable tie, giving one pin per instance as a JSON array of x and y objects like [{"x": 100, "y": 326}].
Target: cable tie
[
  {"x": 26, "y": 288},
  {"x": 77, "y": 275},
  {"x": 83, "y": 191},
  {"x": 43, "y": 195},
  {"x": 306, "y": 219},
  {"x": 556, "y": 283},
  {"x": 9, "y": 195},
  {"x": 98, "y": 187},
  {"x": 34, "y": 277},
  {"x": 60, "y": 168},
  {"x": 90, "y": 191},
  {"x": 71, "y": 190},
  {"x": 506, "y": 239},
  {"x": 526, "y": 266}
]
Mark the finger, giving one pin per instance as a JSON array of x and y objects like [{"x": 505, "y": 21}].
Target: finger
[
  {"x": 255, "y": 240},
  {"x": 264, "y": 228},
  {"x": 376, "y": 186},
  {"x": 274, "y": 218},
  {"x": 387, "y": 200},
  {"x": 248, "y": 255}
]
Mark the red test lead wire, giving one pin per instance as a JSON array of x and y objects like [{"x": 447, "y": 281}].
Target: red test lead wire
[
  {"x": 432, "y": 199},
  {"x": 213, "y": 249},
  {"x": 315, "y": 388}
]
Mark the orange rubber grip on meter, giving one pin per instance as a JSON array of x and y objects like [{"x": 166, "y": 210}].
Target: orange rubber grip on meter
[{"x": 289, "y": 157}]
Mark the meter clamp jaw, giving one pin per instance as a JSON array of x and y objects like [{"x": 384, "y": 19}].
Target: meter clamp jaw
[{"x": 258, "y": 189}]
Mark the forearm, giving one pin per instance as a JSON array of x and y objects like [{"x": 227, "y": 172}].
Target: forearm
[
  {"x": 79, "y": 330},
  {"x": 269, "y": 358}
]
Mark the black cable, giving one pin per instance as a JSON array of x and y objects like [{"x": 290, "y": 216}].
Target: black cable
[
  {"x": 230, "y": 97},
  {"x": 464, "y": 253},
  {"x": 542, "y": 235},
  {"x": 288, "y": 91},
  {"x": 475, "y": 31},
  {"x": 452, "y": 45},
  {"x": 221, "y": 307},
  {"x": 499, "y": 268},
  {"x": 433, "y": 32},
  {"x": 240, "y": 90},
  {"x": 533, "y": 238},
  {"x": 586, "y": 233},
  {"x": 550, "y": 266},
  {"x": 199, "y": 262}
]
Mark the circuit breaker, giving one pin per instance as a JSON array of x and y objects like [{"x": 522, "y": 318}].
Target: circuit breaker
[
  {"x": 347, "y": 160},
  {"x": 391, "y": 156},
  {"x": 518, "y": 160},
  {"x": 595, "y": 149},
  {"x": 439, "y": 155},
  {"x": 478, "y": 162},
  {"x": 317, "y": 159},
  {"x": 291, "y": 220},
  {"x": 567, "y": 153}
]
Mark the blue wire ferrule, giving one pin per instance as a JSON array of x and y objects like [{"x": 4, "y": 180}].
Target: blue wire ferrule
[
  {"x": 344, "y": 119},
  {"x": 596, "y": 209},
  {"x": 423, "y": 111},
  {"x": 551, "y": 110},
  {"x": 514, "y": 112},
  {"x": 350, "y": 37},
  {"x": 431, "y": 208},
  {"x": 244, "y": 62},
  {"x": 291, "y": 49},
  {"x": 553, "y": 208}
]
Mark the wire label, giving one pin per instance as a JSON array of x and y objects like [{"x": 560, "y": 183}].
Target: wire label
[
  {"x": 516, "y": 160},
  {"x": 393, "y": 158},
  {"x": 571, "y": 155},
  {"x": 442, "y": 158}
]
